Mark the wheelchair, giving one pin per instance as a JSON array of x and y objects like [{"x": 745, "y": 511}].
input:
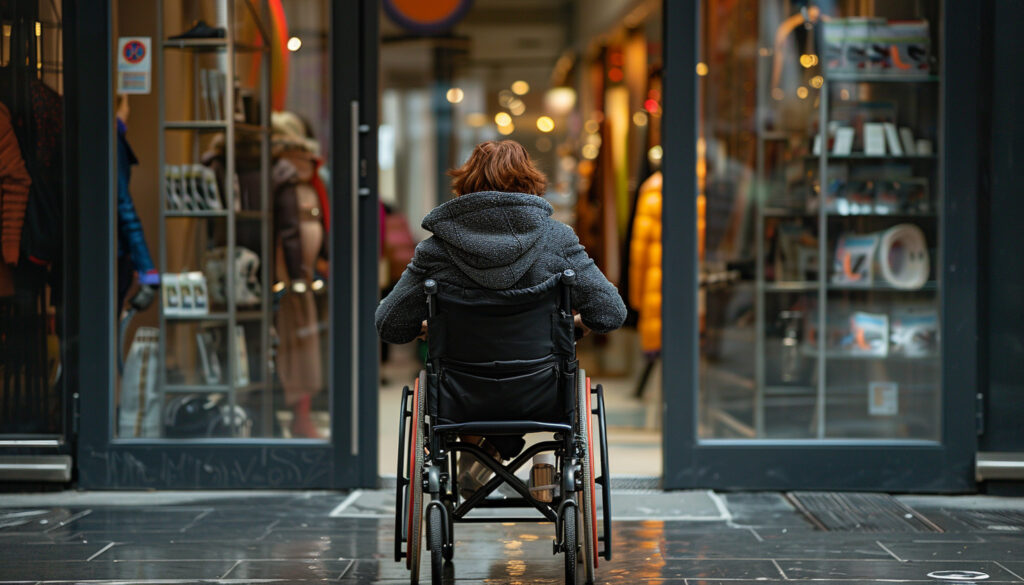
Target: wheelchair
[{"x": 501, "y": 363}]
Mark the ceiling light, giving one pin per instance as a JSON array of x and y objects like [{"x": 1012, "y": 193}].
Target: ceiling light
[{"x": 454, "y": 95}]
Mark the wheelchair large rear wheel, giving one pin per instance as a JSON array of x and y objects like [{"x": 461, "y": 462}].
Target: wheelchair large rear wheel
[
  {"x": 587, "y": 503},
  {"x": 417, "y": 440}
]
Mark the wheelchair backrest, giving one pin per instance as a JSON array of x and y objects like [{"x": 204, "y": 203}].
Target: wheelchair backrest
[{"x": 501, "y": 355}]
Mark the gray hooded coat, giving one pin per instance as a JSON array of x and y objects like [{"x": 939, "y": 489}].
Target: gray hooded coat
[{"x": 496, "y": 241}]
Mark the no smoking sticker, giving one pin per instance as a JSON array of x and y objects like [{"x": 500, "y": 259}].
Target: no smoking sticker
[{"x": 134, "y": 65}]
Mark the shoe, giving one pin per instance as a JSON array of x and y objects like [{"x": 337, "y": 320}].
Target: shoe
[
  {"x": 473, "y": 474},
  {"x": 200, "y": 30}
]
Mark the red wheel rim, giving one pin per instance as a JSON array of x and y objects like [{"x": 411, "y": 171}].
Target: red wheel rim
[
  {"x": 412, "y": 469},
  {"x": 593, "y": 491}
]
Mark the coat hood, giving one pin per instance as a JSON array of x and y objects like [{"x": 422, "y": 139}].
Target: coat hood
[{"x": 492, "y": 237}]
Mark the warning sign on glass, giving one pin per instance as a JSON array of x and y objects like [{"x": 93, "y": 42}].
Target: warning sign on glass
[{"x": 134, "y": 64}]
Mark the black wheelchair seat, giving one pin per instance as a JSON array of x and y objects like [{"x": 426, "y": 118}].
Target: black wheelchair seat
[{"x": 501, "y": 355}]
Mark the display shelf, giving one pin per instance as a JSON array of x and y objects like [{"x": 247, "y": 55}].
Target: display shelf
[
  {"x": 209, "y": 45},
  {"x": 860, "y": 156},
  {"x": 811, "y": 286},
  {"x": 196, "y": 317},
  {"x": 208, "y": 213},
  {"x": 787, "y": 212},
  {"x": 240, "y": 330},
  {"x": 795, "y": 213},
  {"x": 881, "y": 287},
  {"x": 212, "y": 126},
  {"x": 879, "y": 78},
  {"x": 196, "y": 388}
]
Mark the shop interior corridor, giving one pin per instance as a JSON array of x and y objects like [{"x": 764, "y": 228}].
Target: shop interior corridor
[{"x": 679, "y": 538}]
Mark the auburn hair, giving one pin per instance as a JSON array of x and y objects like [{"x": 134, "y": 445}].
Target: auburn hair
[{"x": 498, "y": 166}]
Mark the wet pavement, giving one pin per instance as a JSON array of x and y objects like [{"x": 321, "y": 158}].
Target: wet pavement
[{"x": 667, "y": 538}]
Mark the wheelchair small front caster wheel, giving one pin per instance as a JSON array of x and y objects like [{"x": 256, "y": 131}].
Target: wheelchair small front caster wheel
[
  {"x": 435, "y": 524},
  {"x": 569, "y": 544}
]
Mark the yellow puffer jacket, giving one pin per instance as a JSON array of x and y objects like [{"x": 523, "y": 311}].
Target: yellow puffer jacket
[{"x": 645, "y": 263}]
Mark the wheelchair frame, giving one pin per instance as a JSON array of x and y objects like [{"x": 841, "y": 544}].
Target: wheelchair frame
[{"x": 572, "y": 445}]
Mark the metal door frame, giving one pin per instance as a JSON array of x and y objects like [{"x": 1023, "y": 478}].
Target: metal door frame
[
  {"x": 946, "y": 466},
  {"x": 350, "y": 458}
]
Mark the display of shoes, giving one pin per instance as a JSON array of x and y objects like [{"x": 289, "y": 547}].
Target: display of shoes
[
  {"x": 191, "y": 188},
  {"x": 200, "y": 30}
]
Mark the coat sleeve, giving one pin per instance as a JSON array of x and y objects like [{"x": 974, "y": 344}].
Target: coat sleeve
[
  {"x": 597, "y": 300},
  {"x": 129, "y": 225},
  {"x": 400, "y": 315}
]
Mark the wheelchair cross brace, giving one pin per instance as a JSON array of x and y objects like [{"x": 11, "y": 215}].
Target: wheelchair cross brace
[{"x": 505, "y": 474}]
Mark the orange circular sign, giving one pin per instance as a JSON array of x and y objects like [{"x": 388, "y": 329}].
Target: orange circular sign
[{"x": 426, "y": 17}]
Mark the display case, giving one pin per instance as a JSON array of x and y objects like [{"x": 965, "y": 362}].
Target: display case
[
  {"x": 215, "y": 246},
  {"x": 840, "y": 237}
]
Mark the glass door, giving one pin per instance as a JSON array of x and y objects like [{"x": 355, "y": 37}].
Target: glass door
[
  {"x": 244, "y": 228},
  {"x": 35, "y": 412},
  {"x": 822, "y": 248}
]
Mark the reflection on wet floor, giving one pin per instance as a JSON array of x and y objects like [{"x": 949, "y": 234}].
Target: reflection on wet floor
[{"x": 275, "y": 537}]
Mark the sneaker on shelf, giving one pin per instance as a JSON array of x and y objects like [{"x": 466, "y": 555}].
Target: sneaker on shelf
[{"x": 200, "y": 30}]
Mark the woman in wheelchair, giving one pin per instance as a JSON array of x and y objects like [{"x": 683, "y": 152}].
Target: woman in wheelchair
[{"x": 501, "y": 284}]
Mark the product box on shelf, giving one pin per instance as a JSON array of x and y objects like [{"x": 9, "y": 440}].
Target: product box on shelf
[
  {"x": 185, "y": 294},
  {"x": 191, "y": 188},
  {"x": 854, "y": 263},
  {"x": 877, "y": 46},
  {"x": 171, "y": 294},
  {"x": 868, "y": 335},
  {"x": 915, "y": 331}
]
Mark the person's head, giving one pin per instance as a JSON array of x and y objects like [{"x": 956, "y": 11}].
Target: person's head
[{"x": 498, "y": 166}]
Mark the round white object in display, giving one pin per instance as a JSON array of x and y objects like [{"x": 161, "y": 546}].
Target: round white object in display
[{"x": 903, "y": 256}]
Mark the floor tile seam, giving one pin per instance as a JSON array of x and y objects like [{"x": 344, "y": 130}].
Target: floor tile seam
[
  {"x": 101, "y": 551},
  {"x": 1007, "y": 569},
  {"x": 69, "y": 520},
  {"x": 199, "y": 517},
  {"x": 800, "y": 559},
  {"x": 228, "y": 572},
  {"x": 888, "y": 550}
]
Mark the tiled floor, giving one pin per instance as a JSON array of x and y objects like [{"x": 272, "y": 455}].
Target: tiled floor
[{"x": 303, "y": 537}]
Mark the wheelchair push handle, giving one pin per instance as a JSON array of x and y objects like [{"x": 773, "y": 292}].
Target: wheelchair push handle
[
  {"x": 430, "y": 287},
  {"x": 568, "y": 280}
]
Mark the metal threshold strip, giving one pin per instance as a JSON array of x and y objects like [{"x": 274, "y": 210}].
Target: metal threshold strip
[
  {"x": 21, "y": 443},
  {"x": 55, "y": 468},
  {"x": 993, "y": 465}
]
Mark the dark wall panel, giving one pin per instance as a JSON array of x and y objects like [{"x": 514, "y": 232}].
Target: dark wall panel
[{"x": 1005, "y": 271}]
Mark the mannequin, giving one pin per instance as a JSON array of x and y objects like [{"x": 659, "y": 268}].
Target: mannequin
[{"x": 299, "y": 226}]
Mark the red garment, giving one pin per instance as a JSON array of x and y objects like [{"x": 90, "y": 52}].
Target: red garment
[{"x": 14, "y": 188}]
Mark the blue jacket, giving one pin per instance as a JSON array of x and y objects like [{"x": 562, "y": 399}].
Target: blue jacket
[{"x": 130, "y": 239}]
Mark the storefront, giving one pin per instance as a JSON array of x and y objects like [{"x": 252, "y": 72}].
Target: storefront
[{"x": 811, "y": 315}]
